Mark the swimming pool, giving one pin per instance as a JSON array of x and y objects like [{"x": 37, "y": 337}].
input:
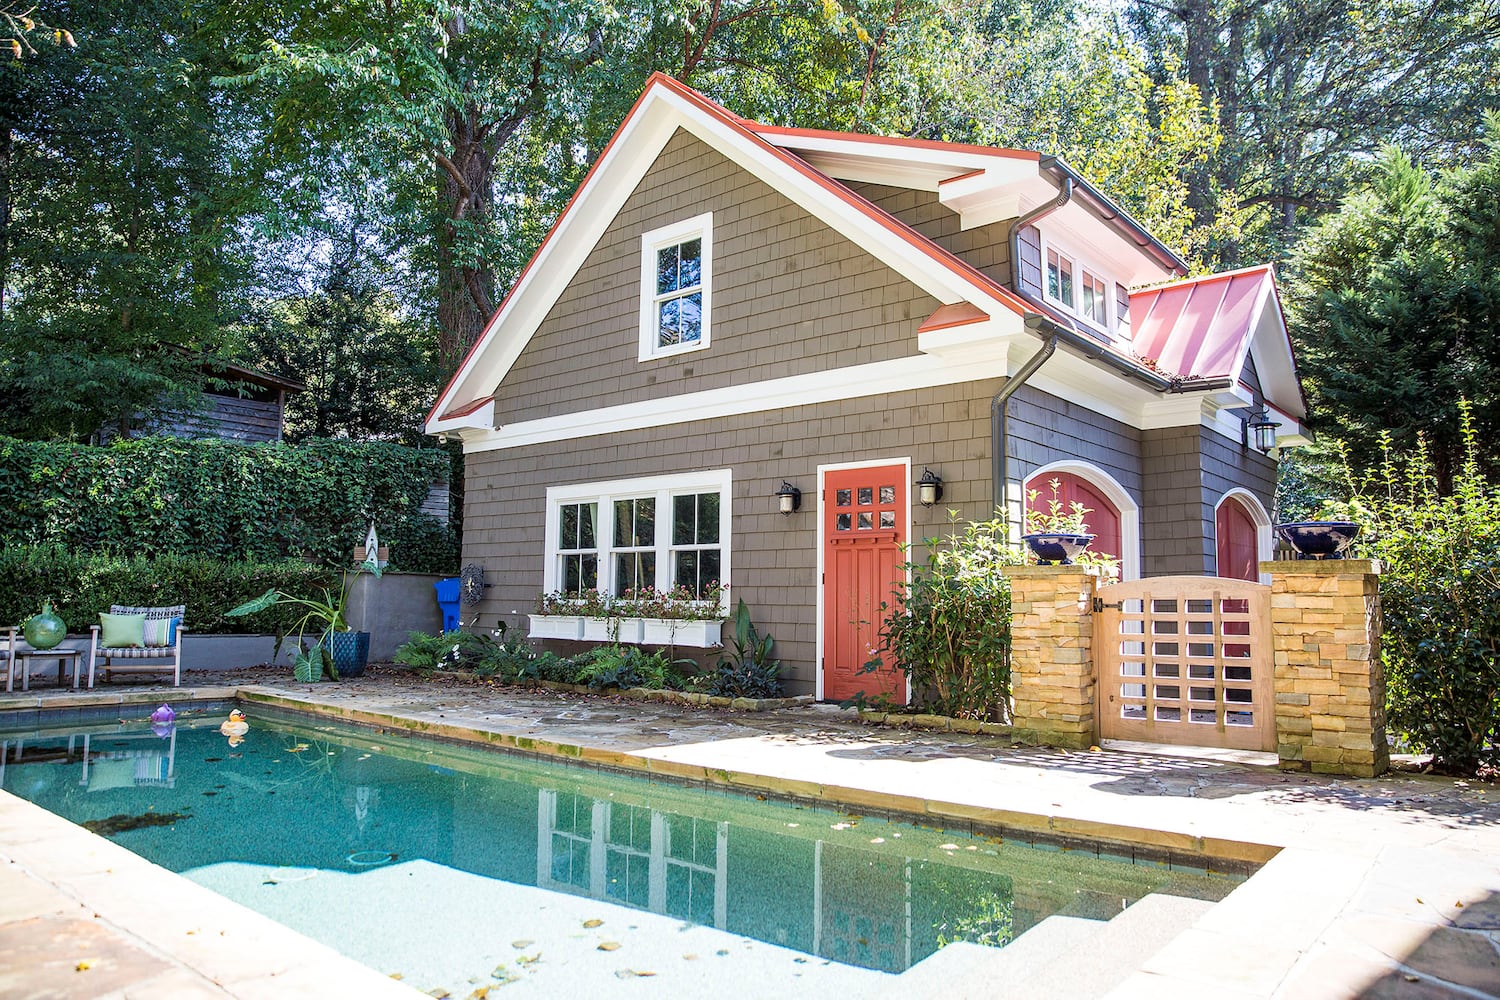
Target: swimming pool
[{"x": 458, "y": 868}]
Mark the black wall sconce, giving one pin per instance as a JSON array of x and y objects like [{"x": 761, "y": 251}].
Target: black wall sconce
[
  {"x": 929, "y": 488},
  {"x": 1258, "y": 426},
  {"x": 789, "y": 498}
]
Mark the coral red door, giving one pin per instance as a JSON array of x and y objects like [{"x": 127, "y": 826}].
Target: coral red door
[
  {"x": 1236, "y": 531},
  {"x": 1103, "y": 517},
  {"x": 864, "y": 525}
]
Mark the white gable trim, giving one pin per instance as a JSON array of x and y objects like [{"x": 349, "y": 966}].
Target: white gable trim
[{"x": 662, "y": 109}]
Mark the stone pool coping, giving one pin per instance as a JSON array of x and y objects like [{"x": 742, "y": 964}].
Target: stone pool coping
[{"x": 1381, "y": 886}]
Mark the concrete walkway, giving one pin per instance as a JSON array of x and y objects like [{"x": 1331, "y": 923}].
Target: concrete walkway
[{"x": 1381, "y": 887}]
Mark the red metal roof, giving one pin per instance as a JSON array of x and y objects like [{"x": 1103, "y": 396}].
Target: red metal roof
[{"x": 1200, "y": 326}]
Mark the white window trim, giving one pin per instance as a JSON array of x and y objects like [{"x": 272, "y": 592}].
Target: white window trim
[
  {"x": 663, "y": 488},
  {"x": 1111, "y": 328},
  {"x": 701, "y": 226}
]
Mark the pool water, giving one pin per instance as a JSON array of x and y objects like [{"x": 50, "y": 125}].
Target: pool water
[{"x": 458, "y": 868}]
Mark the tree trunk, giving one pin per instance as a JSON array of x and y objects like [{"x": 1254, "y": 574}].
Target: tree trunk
[{"x": 465, "y": 293}]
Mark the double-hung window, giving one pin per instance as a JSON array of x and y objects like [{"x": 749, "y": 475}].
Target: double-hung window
[
  {"x": 675, "y": 287},
  {"x": 1060, "y": 278},
  {"x": 1094, "y": 307},
  {"x": 661, "y": 532}
]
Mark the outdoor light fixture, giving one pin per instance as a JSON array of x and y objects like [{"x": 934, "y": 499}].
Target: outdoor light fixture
[
  {"x": 789, "y": 497},
  {"x": 1259, "y": 425},
  {"x": 929, "y": 488}
]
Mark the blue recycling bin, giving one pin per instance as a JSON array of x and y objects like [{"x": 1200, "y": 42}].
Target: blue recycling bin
[{"x": 447, "y": 598}]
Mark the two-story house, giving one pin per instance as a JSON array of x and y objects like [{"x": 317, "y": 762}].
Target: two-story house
[{"x": 728, "y": 310}]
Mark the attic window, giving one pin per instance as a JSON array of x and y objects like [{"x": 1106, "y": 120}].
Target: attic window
[{"x": 675, "y": 287}]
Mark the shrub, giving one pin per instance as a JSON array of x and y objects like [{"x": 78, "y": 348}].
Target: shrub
[
  {"x": 746, "y": 669},
  {"x": 948, "y": 628},
  {"x": 1440, "y": 595},
  {"x": 261, "y": 502},
  {"x": 80, "y": 586}
]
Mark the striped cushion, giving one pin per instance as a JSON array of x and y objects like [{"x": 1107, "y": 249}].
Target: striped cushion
[
  {"x": 161, "y": 631},
  {"x": 138, "y": 653}
]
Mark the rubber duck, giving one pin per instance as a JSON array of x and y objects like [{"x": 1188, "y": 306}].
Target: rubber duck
[{"x": 235, "y": 727}]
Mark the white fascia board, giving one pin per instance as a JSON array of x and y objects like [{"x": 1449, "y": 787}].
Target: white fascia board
[
  {"x": 867, "y": 171},
  {"x": 898, "y": 375},
  {"x": 980, "y": 341},
  {"x": 1270, "y": 348}
]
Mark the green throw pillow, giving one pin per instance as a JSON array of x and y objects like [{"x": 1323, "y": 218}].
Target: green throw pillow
[{"x": 121, "y": 631}]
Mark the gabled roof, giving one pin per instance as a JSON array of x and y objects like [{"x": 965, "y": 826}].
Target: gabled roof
[
  {"x": 663, "y": 107},
  {"x": 1176, "y": 326},
  {"x": 1207, "y": 326}
]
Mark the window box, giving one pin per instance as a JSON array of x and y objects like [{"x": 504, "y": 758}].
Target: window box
[
  {"x": 626, "y": 630},
  {"x": 556, "y": 626},
  {"x": 697, "y": 633}
]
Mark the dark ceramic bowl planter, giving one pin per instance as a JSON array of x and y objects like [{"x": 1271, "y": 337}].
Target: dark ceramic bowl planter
[
  {"x": 1318, "y": 539},
  {"x": 1056, "y": 547}
]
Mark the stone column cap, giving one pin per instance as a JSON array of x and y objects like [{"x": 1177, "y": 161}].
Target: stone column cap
[
  {"x": 1042, "y": 572},
  {"x": 1322, "y": 567}
]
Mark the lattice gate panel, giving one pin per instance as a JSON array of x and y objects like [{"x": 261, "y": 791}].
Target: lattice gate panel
[{"x": 1186, "y": 659}]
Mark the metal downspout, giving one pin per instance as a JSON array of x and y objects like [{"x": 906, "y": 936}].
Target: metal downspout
[
  {"x": 1000, "y": 404},
  {"x": 999, "y": 419}
]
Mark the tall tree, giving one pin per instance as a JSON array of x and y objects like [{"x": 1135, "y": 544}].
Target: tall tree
[
  {"x": 1397, "y": 308},
  {"x": 1308, "y": 90},
  {"x": 119, "y": 242}
]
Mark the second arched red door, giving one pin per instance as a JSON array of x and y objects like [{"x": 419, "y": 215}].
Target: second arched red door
[
  {"x": 1237, "y": 549},
  {"x": 1103, "y": 517}
]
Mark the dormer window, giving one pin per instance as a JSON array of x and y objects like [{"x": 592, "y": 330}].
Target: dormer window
[
  {"x": 1060, "y": 279},
  {"x": 1077, "y": 287},
  {"x": 675, "y": 287},
  {"x": 1094, "y": 307}
]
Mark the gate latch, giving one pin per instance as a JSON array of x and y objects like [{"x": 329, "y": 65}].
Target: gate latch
[{"x": 1099, "y": 605}]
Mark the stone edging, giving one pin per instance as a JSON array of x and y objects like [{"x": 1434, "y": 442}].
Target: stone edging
[
  {"x": 695, "y": 698},
  {"x": 937, "y": 723}
]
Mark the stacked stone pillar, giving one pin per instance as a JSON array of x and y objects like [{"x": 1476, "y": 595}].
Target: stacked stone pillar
[
  {"x": 1052, "y": 667},
  {"x": 1330, "y": 687}
]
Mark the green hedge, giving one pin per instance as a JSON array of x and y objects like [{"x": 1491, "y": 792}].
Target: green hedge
[
  {"x": 262, "y": 502},
  {"x": 80, "y": 586}
]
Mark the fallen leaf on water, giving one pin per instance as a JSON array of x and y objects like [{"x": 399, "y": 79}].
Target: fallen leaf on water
[
  {"x": 83, "y": 966},
  {"x": 523, "y": 943},
  {"x": 1459, "y": 904},
  {"x": 877, "y": 840},
  {"x": 593, "y": 923},
  {"x": 529, "y": 959},
  {"x": 629, "y": 973},
  {"x": 947, "y": 847},
  {"x": 1410, "y": 979},
  {"x": 690, "y": 957},
  {"x": 609, "y": 946},
  {"x": 480, "y": 993},
  {"x": 397, "y": 975},
  {"x": 722, "y": 952}
]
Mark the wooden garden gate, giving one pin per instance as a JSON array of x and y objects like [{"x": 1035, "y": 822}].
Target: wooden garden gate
[{"x": 1186, "y": 659}]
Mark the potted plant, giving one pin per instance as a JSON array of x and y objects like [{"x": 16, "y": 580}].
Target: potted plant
[
  {"x": 337, "y": 651},
  {"x": 1059, "y": 533}
]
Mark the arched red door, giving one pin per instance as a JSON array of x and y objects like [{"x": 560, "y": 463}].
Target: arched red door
[
  {"x": 1103, "y": 517},
  {"x": 1238, "y": 555}
]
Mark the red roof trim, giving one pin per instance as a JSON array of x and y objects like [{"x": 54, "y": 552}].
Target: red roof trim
[
  {"x": 468, "y": 408},
  {"x": 957, "y": 314},
  {"x": 960, "y": 177}
]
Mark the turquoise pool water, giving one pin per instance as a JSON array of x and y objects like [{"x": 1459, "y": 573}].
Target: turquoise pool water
[{"x": 457, "y": 868}]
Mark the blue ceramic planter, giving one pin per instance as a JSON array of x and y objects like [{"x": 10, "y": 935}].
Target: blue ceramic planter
[
  {"x": 351, "y": 651},
  {"x": 1056, "y": 548},
  {"x": 1318, "y": 539}
]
